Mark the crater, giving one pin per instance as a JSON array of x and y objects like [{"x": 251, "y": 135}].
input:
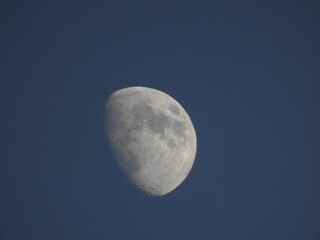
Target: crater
[{"x": 174, "y": 109}]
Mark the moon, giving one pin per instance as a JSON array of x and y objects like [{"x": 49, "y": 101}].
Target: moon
[{"x": 152, "y": 138}]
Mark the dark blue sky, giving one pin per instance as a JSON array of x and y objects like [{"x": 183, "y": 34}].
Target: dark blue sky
[{"x": 247, "y": 72}]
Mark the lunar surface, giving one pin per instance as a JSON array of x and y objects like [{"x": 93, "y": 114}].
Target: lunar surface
[{"x": 152, "y": 137}]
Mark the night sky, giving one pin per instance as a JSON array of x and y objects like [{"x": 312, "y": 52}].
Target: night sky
[{"x": 247, "y": 73}]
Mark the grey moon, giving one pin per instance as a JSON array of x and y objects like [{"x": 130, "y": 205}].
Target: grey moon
[{"x": 152, "y": 138}]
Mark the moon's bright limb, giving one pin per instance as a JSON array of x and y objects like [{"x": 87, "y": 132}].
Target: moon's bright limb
[{"x": 152, "y": 137}]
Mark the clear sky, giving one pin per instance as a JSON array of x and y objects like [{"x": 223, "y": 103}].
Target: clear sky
[{"x": 247, "y": 72}]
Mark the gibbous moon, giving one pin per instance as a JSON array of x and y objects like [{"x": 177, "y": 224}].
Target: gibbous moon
[{"x": 152, "y": 137}]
